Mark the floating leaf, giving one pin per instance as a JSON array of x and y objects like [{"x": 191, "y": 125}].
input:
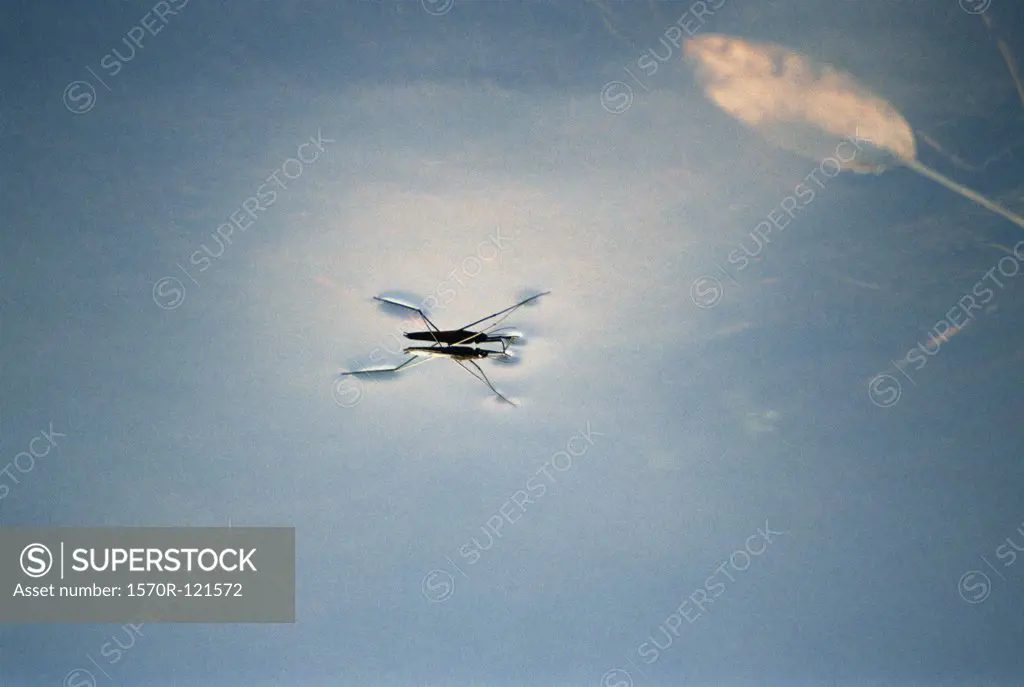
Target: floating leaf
[{"x": 811, "y": 108}]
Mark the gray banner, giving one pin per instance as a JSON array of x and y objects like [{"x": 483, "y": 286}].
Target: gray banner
[{"x": 147, "y": 574}]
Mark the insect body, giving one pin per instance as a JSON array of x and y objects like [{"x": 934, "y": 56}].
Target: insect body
[{"x": 453, "y": 343}]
